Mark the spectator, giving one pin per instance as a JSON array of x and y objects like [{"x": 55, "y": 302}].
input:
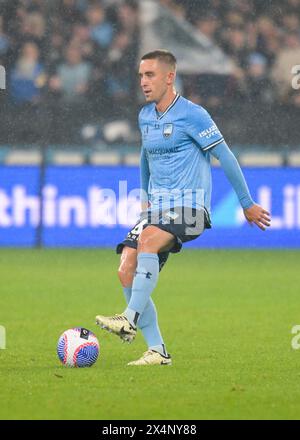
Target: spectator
[
  {"x": 55, "y": 52},
  {"x": 268, "y": 38},
  {"x": 81, "y": 37},
  {"x": 33, "y": 27},
  {"x": 288, "y": 57},
  {"x": 207, "y": 25},
  {"x": 30, "y": 27},
  {"x": 101, "y": 31},
  {"x": 69, "y": 11},
  {"x": 119, "y": 75},
  {"x": 258, "y": 87},
  {"x": 293, "y": 6},
  {"x": 28, "y": 76},
  {"x": 127, "y": 16},
  {"x": 4, "y": 42},
  {"x": 236, "y": 46},
  {"x": 291, "y": 23},
  {"x": 72, "y": 77}
]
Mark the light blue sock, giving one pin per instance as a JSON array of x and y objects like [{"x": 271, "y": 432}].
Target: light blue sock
[
  {"x": 144, "y": 282},
  {"x": 160, "y": 349},
  {"x": 148, "y": 324},
  {"x": 127, "y": 293}
]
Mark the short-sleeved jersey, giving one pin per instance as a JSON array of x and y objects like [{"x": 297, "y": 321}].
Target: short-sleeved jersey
[{"x": 176, "y": 144}]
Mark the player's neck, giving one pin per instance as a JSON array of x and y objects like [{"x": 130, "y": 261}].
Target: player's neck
[{"x": 166, "y": 100}]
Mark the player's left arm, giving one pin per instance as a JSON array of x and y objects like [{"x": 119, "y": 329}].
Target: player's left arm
[
  {"x": 202, "y": 129},
  {"x": 253, "y": 212}
]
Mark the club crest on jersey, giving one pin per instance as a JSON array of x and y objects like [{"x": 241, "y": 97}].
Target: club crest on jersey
[{"x": 167, "y": 130}]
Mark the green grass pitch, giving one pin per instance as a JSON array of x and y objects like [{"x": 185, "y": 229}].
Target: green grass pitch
[{"x": 226, "y": 317}]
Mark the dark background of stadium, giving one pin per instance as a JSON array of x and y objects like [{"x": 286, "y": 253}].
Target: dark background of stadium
[{"x": 95, "y": 44}]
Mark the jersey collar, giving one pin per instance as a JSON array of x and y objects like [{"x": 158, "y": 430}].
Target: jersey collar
[{"x": 168, "y": 108}]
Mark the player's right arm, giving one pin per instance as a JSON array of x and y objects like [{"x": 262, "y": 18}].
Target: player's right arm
[{"x": 144, "y": 170}]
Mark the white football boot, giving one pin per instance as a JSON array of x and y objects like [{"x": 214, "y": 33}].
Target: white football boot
[
  {"x": 152, "y": 357},
  {"x": 119, "y": 325}
]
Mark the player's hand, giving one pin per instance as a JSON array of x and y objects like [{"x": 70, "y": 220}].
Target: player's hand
[{"x": 256, "y": 214}]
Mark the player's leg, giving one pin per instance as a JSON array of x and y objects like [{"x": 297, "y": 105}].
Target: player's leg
[
  {"x": 152, "y": 240},
  {"x": 167, "y": 235},
  {"x": 148, "y": 321},
  {"x": 127, "y": 269}
]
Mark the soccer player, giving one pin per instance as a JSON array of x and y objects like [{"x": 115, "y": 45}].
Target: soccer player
[{"x": 178, "y": 138}]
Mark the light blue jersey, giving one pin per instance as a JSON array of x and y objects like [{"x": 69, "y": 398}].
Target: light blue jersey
[
  {"x": 175, "y": 145},
  {"x": 175, "y": 157}
]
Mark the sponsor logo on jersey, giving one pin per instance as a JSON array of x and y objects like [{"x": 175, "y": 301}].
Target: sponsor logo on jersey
[
  {"x": 168, "y": 130},
  {"x": 162, "y": 151},
  {"x": 209, "y": 132}
]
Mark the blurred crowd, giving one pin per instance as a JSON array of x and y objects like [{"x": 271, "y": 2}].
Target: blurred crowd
[
  {"x": 71, "y": 62},
  {"x": 71, "y": 59},
  {"x": 263, "y": 39}
]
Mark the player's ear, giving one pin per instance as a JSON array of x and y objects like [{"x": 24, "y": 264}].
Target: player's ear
[{"x": 171, "y": 78}]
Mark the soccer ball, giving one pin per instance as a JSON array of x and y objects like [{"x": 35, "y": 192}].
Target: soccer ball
[{"x": 78, "y": 347}]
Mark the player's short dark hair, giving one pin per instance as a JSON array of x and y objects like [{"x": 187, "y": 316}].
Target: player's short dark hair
[{"x": 162, "y": 55}]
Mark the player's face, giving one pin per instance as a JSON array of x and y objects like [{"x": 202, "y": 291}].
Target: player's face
[{"x": 155, "y": 78}]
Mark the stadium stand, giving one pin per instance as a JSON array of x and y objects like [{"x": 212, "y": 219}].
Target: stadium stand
[{"x": 71, "y": 70}]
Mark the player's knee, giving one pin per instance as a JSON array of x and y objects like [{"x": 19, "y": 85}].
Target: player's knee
[
  {"x": 147, "y": 244},
  {"x": 154, "y": 240}
]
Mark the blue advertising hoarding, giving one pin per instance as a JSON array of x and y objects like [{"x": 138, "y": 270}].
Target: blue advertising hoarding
[{"x": 90, "y": 206}]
